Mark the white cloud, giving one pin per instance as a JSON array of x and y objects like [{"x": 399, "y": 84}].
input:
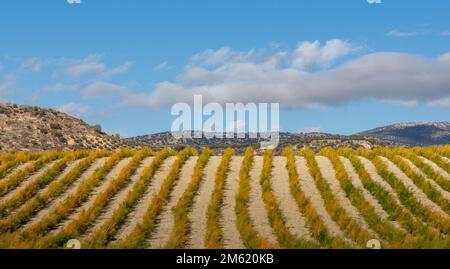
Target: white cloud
[
  {"x": 386, "y": 76},
  {"x": 102, "y": 89},
  {"x": 398, "y": 33},
  {"x": 75, "y": 110},
  {"x": 163, "y": 66},
  {"x": 91, "y": 64},
  {"x": 6, "y": 86},
  {"x": 74, "y": 1},
  {"x": 309, "y": 55},
  {"x": 374, "y": 1},
  {"x": 119, "y": 69},
  {"x": 92, "y": 67},
  {"x": 442, "y": 103},
  {"x": 35, "y": 64},
  {"x": 225, "y": 55}
]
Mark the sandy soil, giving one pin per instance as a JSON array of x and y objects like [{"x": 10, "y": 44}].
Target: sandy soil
[
  {"x": 66, "y": 171},
  {"x": 103, "y": 186},
  {"x": 418, "y": 193},
  {"x": 443, "y": 192},
  {"x": 446, "y": 159},
  {"x": 312, "y": 193},
  {"x": 14, "y": 170},
  {"x": 329, "y": 174},
  {"x": 69, "y": 192},
  {"x": 436, "y": 168},
  {"x": 166, "y": 221},
  {"x": 28, "y": 181},
  {"x": 117, "y": 199},
  {"x": 202, "y": 200},
  {"x": 295, "y": 221},
  {"x": 356, "y": 181},
  {"x": 231, "y": 237},
  {"x": 137, "y": 214},
  {"x": 257, "y": 210},
  {"x": 371, "y": 169}
]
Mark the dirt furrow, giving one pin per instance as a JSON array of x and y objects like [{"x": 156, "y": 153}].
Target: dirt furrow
[
  {"x": 197, "y": 216},
  {"x": 70, "y": 191},
  {"x": 231, "y": 237},
  {"x": 443, "y": 192},
  {"x": 118, "y": 198},
  {"x": 28, "y": 181},
  {"x": 66, "y": 171},
  {"x": 166, "y": 221},
  {"x": 356, "y": 181},
  {"x": 16, "y": 169},
  {"x": 103, "y": 186},
  {"x": 295, "y": 221},
  {"x": 312, "y": 193},
  {"x": 436, "y": 168},
  {"x": 137, "y": 214},
  {"x": 418, "y": 193},
  {"x": 257, "y": 210},
  {"x": 329, "y": 174}
]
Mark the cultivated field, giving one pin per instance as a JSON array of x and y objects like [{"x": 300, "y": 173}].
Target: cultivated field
[{"x": 145, "y": 199}]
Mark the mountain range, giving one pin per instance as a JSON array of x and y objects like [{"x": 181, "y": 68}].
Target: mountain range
[{"x": 27, "y": 128}]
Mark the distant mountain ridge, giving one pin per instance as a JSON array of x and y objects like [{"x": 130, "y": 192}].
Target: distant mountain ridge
[
  {"x": 413, "y": 133},
  {"x": 29, "y": 128}
]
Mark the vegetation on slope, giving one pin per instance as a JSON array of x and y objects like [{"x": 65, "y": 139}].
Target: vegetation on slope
[
  {"x": 108, "y": 230},
  {"x": 138, "y": 237},
  {"x": 179, "y": 236},
  {"x": 82, "y": 222},
  {"x": 276, "y": 219},
  {"x": 351, "y": 227},
  {"x": 31, "y": 207},
  {"x": 213, "y": 238},
  {"x": 383, "y": 228},
  {"x": 250, "y": 237}
]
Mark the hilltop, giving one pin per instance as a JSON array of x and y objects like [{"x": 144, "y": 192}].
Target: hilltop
[
  {"x": 413, "y": 134},
  {"x": 315, "y": 141},
  {"x": 30, "y": 128}
]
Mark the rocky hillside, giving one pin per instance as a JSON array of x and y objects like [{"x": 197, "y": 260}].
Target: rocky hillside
[
  {"x": 413, "y": 134},
  {"x": 35, "y": 129}
]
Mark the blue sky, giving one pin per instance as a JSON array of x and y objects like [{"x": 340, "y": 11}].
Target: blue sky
[{"x": 122, "y": 64}]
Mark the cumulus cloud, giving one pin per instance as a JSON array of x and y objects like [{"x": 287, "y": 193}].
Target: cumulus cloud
[
  {"x": 74, "y": 1},
  {"x": 311, "y": 54},
  {"x": 374, "y": 1},
  {"x": 75, "y": 110},
  {"x": 101, "y": 89},
  {"x": 384, "y": 76}
]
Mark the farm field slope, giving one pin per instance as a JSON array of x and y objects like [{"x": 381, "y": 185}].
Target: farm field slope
[{"x": 201, "y": 195}]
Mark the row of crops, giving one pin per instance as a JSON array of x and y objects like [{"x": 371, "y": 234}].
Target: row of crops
[{"x": 144, "y": 199}]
